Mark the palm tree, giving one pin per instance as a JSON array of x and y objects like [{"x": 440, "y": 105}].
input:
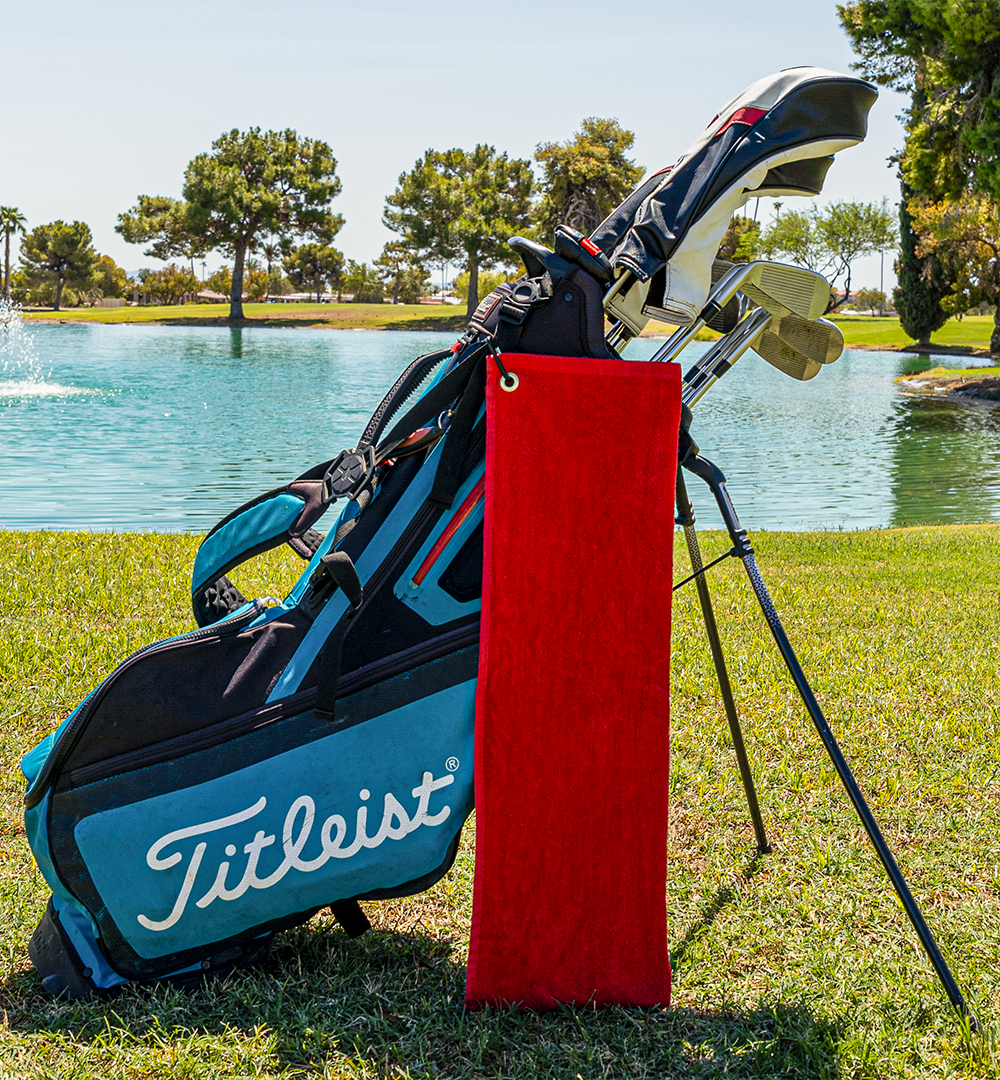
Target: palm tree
[
  {"x": 271, "y": 252},
  {"x": 11, "y": 221}
]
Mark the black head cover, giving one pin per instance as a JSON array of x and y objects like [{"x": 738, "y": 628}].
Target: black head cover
[{"x": 776, "y": 138}]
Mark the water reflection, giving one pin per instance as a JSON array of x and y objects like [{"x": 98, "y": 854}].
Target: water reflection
[
  {"x": 236, "y": 342},
  {"x": 945, "y": 465},
  {"x": 912, "y": 363}
]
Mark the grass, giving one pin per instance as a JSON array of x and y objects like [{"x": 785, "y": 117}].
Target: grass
[
  {"x": 970, "y": 334},
  {"x": 331, "y": 316},
  {"x": 799, "y": 963},
  {"x": 959, "y": 373}
]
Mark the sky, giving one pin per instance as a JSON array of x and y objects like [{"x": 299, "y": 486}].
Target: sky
[{"x": 104, "y": 101}]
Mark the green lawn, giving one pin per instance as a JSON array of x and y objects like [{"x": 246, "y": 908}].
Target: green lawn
[
  {"x": 963, "y": 373},
  {"x": 799, "y": 963},
  {"x": 972, "y": 332},
  {"x": 860, "y": 331},
  {"x": 344, "y": 316}
]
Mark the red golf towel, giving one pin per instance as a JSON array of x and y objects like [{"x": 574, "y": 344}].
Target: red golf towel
[{"x": 572, "y": 753}]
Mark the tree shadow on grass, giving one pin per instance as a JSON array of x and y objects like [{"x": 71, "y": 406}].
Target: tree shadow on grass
[{"x": 392, "y": 1003}]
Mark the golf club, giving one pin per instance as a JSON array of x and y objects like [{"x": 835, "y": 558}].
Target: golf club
[
  {"x": 775, "y": 287},
  {"x": 820, "y": 340},
  {"x": 721, "y": 356},
  {"x": 787, "y": 359}
]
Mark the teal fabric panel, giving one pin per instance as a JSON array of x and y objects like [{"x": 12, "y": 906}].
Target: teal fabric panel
[
  {"x": 262, "y": 522},
  {"x": 369, "y": 807}
]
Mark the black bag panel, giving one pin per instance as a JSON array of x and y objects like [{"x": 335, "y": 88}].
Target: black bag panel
[
  {"x": 262, "y": 733},
  {"x": 184, "y": 686},
  {"x": 463, "y": 579},
  {"x": 570, "y": 323}
]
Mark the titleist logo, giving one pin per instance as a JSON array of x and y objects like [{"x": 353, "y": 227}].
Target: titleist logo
[{"x": 396, "y": 823}]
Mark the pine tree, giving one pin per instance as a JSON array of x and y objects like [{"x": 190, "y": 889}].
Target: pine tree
[{"x": 917, "y": 297}]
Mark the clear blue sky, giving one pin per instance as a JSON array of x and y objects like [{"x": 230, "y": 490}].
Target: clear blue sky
[{"x": 107, "y": 100}]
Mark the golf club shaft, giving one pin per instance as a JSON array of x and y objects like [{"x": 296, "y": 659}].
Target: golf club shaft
[
  {"x": 685, "y": 516},
  {"x": 720, "y": 295},
  {"x": 722, "y": 355},
  {"x": 716, "y": 481}
]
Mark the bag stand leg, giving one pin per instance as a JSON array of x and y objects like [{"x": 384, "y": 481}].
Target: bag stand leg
[
  {"x": 685, "y": 518},
  {"x": 716, "y": 481}
]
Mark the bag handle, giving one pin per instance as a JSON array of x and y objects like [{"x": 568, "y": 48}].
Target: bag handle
[{"x": 284, "y": 515}]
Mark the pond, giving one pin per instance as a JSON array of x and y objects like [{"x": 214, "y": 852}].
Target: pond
[{"x": 168, "y": 428}]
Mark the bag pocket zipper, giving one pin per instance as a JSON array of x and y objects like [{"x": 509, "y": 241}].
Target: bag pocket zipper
[
  {"x": 225, "y": 730},
  {"x": 67, "y": 740}
]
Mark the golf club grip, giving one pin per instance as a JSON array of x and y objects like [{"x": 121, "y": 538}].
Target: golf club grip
[{"x": 853, "y": 791}]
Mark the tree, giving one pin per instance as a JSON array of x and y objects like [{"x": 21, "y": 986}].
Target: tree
[
  {"x": 399, "y": 266},
  {"x": 946, "y": 55},
  {"x": 162, "y": 221},
  {"x": 829, "y": 241},
  {"x": 586, "y": 177},
  {"x": 921, "y": 286},
  {"x": 462, "y": 206},
  {"x": 964, "y": 234},
  {"x": 220, "y": 282},
  {"x": 109, "y": 278},
  {"x": 252, "y": 184},
  {"x": 272, "y": 252},
  {"x": 169, "y": 285},
  {"x": 852, "y": 229},
  {"x": 870, "y": 299},
  {"x": 487, "y": 282},
  {"x": 11, "y": 221},
  {"x": 255, "y": 281},
  {"x": 364, "y": 282},
  {"x": 314, "y": 265},
  {"x": 59, "y": 254},
  {"x": 742, "y": 240},
  {"x": 794, "y": 236}
]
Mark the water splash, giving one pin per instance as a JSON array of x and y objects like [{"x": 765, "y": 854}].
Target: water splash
[
  {"x": 18, "y": 357},
  {"x": 21, "y": 372}
]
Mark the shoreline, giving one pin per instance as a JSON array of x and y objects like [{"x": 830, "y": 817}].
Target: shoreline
[
  {"x": 305, "y": 316},
  {"x": 975, "y": 385},
  {"x": 412, "y": 317},
  {"x": 286, "y": 323}
]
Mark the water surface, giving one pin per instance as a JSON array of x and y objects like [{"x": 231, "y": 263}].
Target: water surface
[{"x": 169, "y": 428}]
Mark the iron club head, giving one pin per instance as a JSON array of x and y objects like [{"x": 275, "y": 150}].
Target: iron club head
[
  {"x": 780, "y": 354},
  {"x": 821, "y": 340},
  {"x": 787, "y": 290}
]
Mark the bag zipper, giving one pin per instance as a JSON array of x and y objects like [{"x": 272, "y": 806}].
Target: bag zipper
[
  {"x": 301, "y": 702},
  {"x": 73, "y": 730},
  {"x": 458, "y": 519},
  {"x": 423, "y": 516}
]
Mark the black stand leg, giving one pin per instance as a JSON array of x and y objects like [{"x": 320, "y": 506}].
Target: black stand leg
[
  {"x": 716, "y": 481},
  {"x": 685, "y": 518}
]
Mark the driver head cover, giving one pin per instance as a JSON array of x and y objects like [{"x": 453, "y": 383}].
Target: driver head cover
[{"x": 777, "y": 138}]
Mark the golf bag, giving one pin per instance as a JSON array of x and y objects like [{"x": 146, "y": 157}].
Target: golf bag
[{"x": 227, "y": 783}]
